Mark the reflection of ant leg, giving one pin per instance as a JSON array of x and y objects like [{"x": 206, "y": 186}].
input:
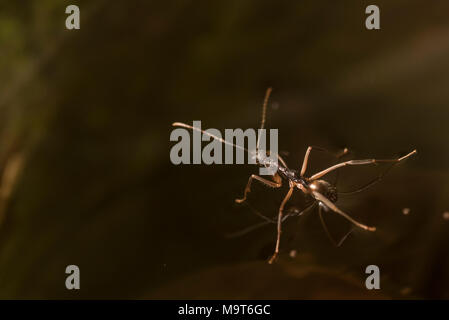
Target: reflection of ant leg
[
  {"x": 277, "y": 183},
  {"x": 292, "y": 212},
  {"x": 369, "y": 184},
  {"x": 337, "y": 244},
  {"x": 247, "y": 229}
]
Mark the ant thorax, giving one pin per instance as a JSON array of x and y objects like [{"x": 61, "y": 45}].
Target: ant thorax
[{"x": 325, "y": 188}]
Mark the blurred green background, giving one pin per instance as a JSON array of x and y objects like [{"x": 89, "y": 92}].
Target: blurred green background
[{"x": 85, "y": 120}]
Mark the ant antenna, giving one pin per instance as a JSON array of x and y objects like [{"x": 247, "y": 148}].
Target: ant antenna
[
  {"x": 264, "y": 112},
  {"x": 183, "y": 125},
  {"x": 264, "y": 108}
]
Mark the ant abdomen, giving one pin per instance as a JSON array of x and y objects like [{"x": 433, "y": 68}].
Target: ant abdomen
[{"x": 326, "y": 189}]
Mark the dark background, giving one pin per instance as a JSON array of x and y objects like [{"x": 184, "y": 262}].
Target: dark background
[{"x": 85, "y": 120}]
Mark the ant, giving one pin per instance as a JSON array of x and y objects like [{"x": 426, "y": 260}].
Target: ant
[{"x": 323, "y": 192}]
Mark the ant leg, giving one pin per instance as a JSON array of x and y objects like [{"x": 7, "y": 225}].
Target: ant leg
[
  {"x": 357, "y": 163},
  {"x": 339, "y": 156},
  {"x": 281, "y": 209},
  {"x": 306, "y": 159},
  {"x": 335, "y": 243},
  {"x": 309, "y": 149},
  {"x": 277, "y": 183},
  {"x": 318, "y": 196}
]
